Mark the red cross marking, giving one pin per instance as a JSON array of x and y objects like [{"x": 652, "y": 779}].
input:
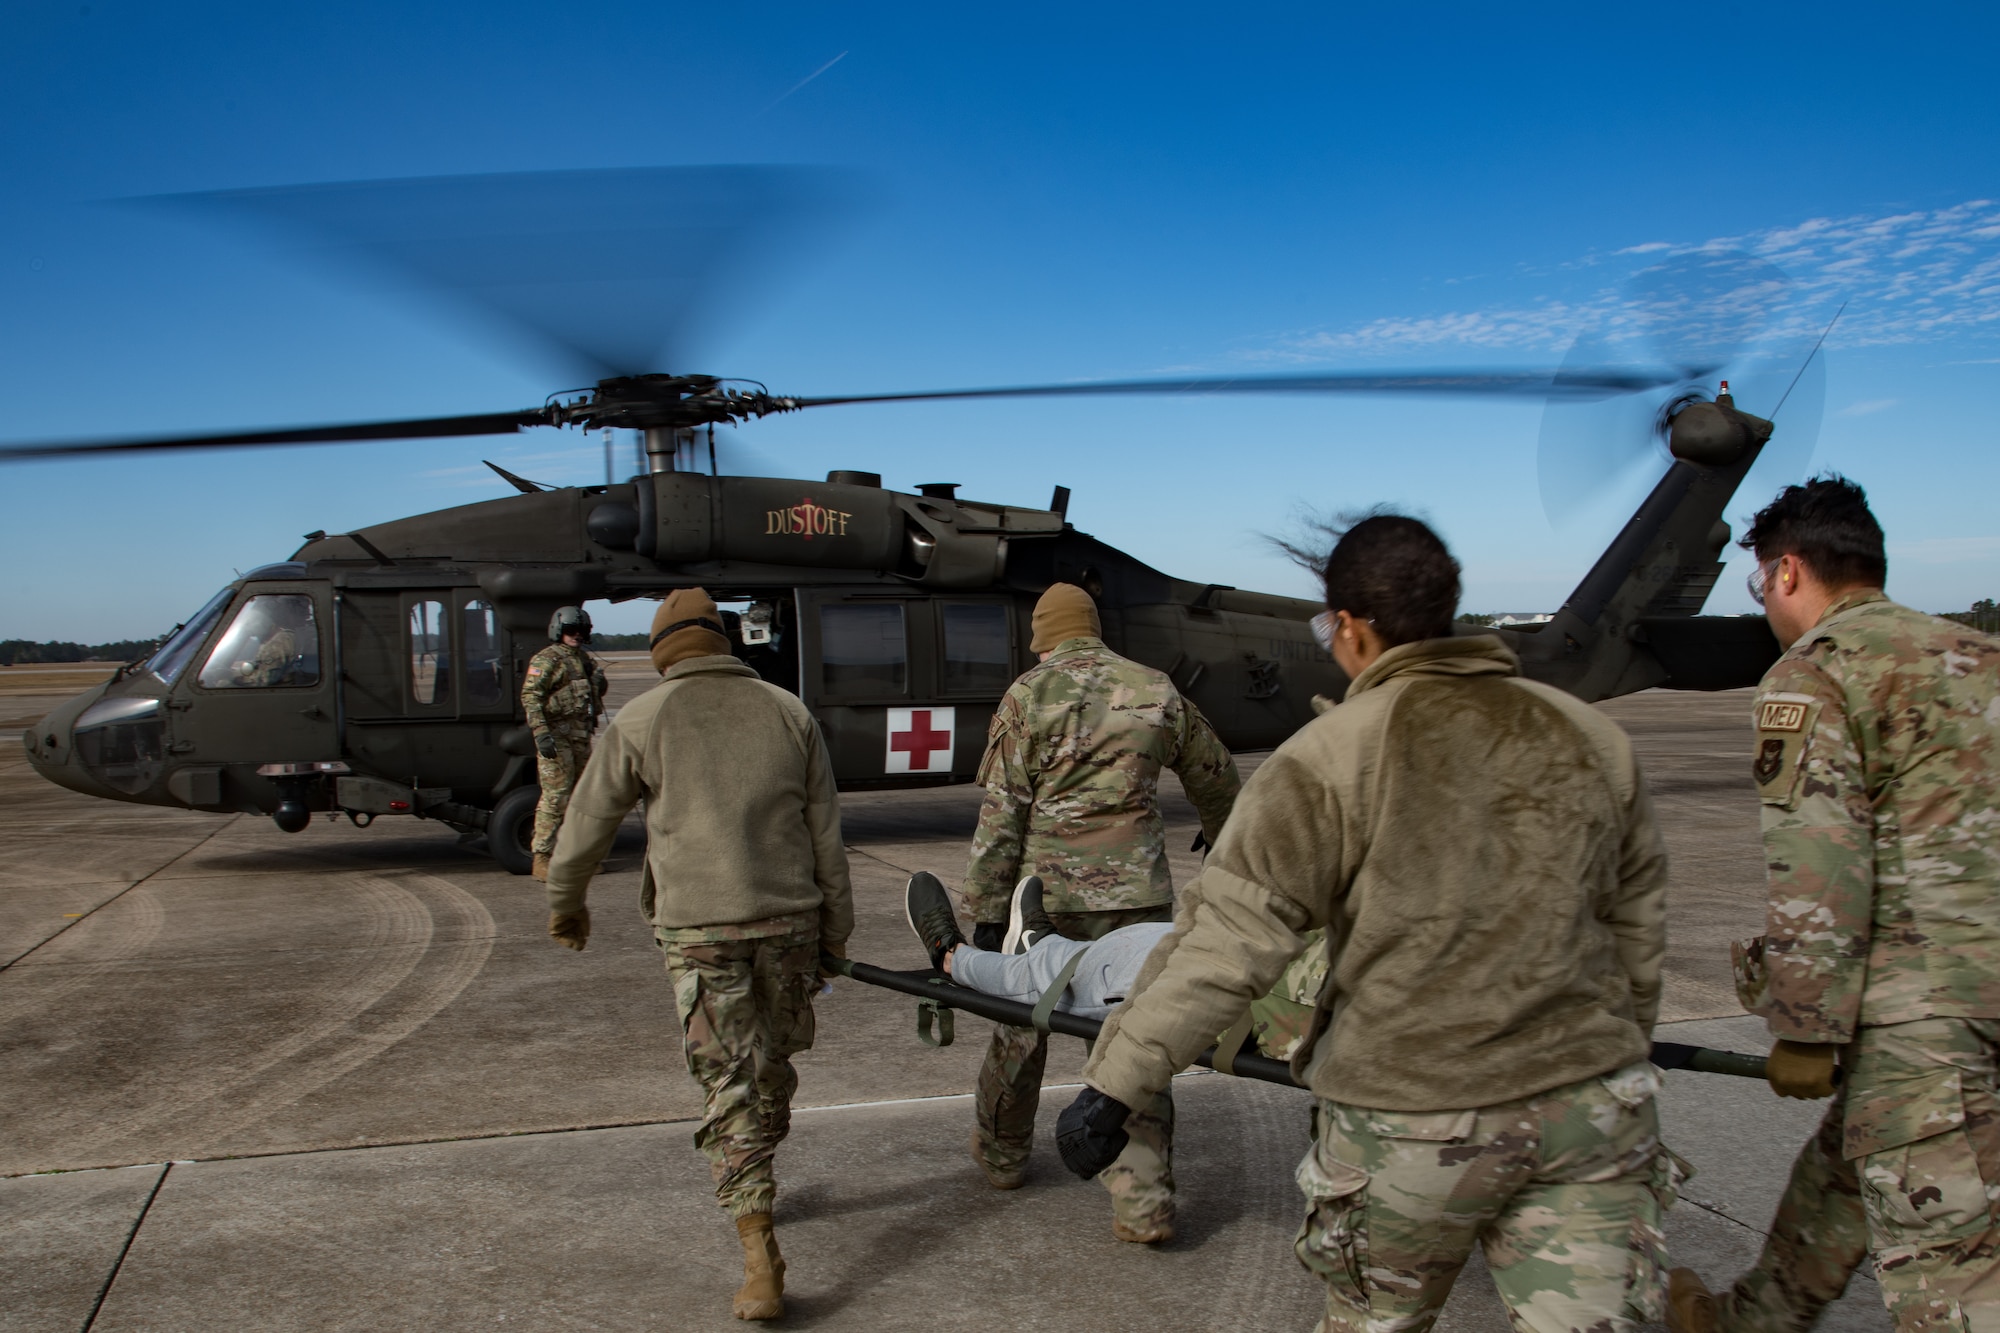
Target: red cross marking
[{"x": 920, "y": 741}]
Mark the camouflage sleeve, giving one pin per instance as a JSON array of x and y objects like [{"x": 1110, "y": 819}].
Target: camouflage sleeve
[
  {"x": 999, "y": 842},
  {"x": 1819, "y": 845},
  {"x": 1206, "y": 769},
  {"x": 535, "y": 686},
  {"x": 836, "y": 893},
  {"x": 604, "y": 795},
  {"x": 1637, "y": 915}
]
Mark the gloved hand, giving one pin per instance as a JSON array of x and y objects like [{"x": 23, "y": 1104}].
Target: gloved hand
[
  {"x": 1802, "y": 1069},
  {"x": 1090, "y": 1133},
  {"x": 827, "y": 951},
  {"x": 545, "y": 745},
  {"x": 570, "y": 929},
  {"x": 989, "y": 935}
]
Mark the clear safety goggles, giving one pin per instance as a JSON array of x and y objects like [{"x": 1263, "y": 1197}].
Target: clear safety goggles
[
  {"x": 1323, "y": 630},
  {"x": 1759, "y": 579}
]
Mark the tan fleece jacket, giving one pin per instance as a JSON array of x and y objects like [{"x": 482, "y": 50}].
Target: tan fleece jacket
[
  {"x": 1482, "y": 852},
  {"x": 742, "y": 819}
]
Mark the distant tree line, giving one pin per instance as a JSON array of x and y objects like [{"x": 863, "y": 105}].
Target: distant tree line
[
  {"x": 1983, "y": 616},
  {"x": 16, "y": 651},
  {"x": 619, "y": 642}
]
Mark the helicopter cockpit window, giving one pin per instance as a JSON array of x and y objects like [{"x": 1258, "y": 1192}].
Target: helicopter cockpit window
[
  {"x": 862, "y": 648},
  {"x": 171, "y": 658},
  {"x": 480, "y": 639},
  {"x": 272, "y": 641},
  {"x": 977, "y": 656},
  {"x": 430, "y": 653}
]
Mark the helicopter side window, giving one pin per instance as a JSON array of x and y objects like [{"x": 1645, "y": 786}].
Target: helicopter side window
[
  {"x": 171, "y": 658},
  {"x": 430, "y": 653},
  {"x": 479, "y": 639},
  {"x": 272, "y": 641},
  {"x": 978, "y": 659},
  {"x": 862, "y": 648}
]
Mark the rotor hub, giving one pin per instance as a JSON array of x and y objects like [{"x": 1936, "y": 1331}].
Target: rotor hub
[{"x": 666, "y": 403}]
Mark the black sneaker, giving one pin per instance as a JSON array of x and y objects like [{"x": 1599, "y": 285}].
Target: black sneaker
[
  {"x": 1026, "y": 921},
  {"x": 928, "y": 908}
]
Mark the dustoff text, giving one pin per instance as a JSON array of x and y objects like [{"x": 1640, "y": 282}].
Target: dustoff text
[{"x": 806, "y": 519}]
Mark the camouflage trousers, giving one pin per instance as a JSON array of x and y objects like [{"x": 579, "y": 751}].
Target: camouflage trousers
[
  {"x": 1906, "y": 1165},
  {"x": 1564, "y": 1190},
  {"x": 1141, "y": 1181},
  {"x": 745, "y": 1009},
  {"x": 558, "y": 779}
]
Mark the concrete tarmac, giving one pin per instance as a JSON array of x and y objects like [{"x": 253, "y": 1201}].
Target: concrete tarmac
[{"x": 342, "y": 1079}]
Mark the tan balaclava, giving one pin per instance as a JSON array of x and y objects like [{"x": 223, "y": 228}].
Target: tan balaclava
[
  {"x": 687, "y": 625},
  {"x": 1065, "y": 612}
]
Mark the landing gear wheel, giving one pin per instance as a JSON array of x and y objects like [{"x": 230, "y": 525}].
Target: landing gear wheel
[{"x": 510, "y": 829}]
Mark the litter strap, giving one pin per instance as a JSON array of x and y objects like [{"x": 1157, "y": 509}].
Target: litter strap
[{"x": 1053, "y": 995}]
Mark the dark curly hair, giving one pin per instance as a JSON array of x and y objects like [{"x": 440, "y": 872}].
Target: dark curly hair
[
  {"x": 1394, "y": 572},
  {"x": 1826, "y": 523}
]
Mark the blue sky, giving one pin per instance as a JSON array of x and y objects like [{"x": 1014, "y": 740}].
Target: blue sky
[{"x": 1056, "y": 192}]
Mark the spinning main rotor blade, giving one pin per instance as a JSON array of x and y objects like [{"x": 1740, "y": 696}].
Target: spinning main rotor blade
[
  {"x": 490, "y": 423},
  {"x": 1579, "y": 383},
  {"x": 612, "y": 272},
  {"x": 1569, "y": 384}
]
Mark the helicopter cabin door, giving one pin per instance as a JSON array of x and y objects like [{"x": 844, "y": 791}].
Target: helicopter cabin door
[
  {"x": 904, "y": 683},
  {"x": 263, "y": 690},
  {"x": 431, "y": 686}
]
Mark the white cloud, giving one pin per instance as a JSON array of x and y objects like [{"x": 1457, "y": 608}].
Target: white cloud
[
  {"x": 1868, "y": 407},
  {"x": 1907, "y": 277}
]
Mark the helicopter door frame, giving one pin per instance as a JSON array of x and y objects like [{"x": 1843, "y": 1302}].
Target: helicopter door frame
[{"x": 233, "y": 721}]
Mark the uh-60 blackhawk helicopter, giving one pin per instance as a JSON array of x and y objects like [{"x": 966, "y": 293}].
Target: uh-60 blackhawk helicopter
[{"x": 377, "y": 672}]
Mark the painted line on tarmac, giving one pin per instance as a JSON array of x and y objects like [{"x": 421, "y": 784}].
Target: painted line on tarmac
[{"x": 151, "y": 874}]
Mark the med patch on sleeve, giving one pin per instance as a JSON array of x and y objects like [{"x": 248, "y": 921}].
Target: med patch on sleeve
[{"x": 1784, "y": 728}]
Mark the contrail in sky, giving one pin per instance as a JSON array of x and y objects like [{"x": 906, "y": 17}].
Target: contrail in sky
[{"x": 806, "y": 80}]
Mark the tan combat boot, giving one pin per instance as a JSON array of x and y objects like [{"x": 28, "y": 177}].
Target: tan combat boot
[
  {"x": 763, "y": 1293},
  {"x": 1690, "y": 1306},
  {"x": 541, "y": 870}
]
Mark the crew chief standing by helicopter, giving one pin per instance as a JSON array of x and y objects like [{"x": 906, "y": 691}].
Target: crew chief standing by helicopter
[{"x": 563, "y": 694}]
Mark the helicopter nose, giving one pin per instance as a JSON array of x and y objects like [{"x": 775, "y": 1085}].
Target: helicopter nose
[{"x": 51, "y": 746}]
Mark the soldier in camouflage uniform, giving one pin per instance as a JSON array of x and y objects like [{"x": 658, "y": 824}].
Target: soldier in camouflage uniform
[
  {"x": 1477, "y": 856},
  {"x": 745, "y": 886},
  {"x": 1878, "y": 749},
  {"x": 563, "y": 692},
  {"x": 1071, "y": 772}
]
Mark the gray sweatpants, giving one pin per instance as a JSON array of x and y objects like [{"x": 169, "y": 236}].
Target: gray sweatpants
[{"x": 1102, "y": 981}]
